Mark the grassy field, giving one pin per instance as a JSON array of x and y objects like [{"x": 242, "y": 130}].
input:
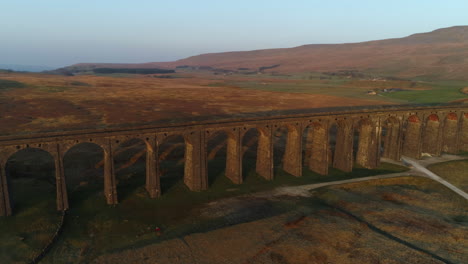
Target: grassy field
[
  {"x": 412, "y": 91},
  {"x": 401, "y": 220},
  {"x": 92, "y": 228},
  {"x": 455, "y": 172}
]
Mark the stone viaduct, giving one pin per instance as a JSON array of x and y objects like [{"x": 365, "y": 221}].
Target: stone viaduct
[{"x": 359, "y": 136}]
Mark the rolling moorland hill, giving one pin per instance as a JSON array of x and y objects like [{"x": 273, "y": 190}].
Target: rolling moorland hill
[{"x": 440, "y": 54}]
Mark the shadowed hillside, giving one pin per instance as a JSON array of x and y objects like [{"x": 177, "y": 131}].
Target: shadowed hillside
[{"x": 440, "y": 54}]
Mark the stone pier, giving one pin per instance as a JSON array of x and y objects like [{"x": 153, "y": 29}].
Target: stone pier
[
  {"x": 292, "y": 159},
  {"x": 265, "y": 152},
  {"x": 195, "y": 171},
  {"x": 234, "y": 156},
  {"x": 343, "y": 156}
]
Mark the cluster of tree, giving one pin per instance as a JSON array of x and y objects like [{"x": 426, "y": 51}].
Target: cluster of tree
[
  {"x": 268, "y": 67},
  {"x": 130, "y": 70}
]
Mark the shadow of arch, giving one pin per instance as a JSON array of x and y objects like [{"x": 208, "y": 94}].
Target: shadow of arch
[
  {"x": 431, "y": 141},
  {"x": 130, "y": 167},
  {"x": 249, "y": 151},
  {"x": 171, "y": 161},
  {"x": 84, "y": 172},
  {"x": 280, "y": 136},
  {"x": 216, "y": 155},
  {"x": 31, "y": 180},
  {"x": 332, "y": 133}
]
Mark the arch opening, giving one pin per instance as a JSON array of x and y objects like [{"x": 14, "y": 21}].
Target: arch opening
[
  {"x": 31, "y": 180},
  {"x": 130, "y": 167},
  {"x": 249, "y": 152},
  {"x": 84, "y": 172},
  {"x": 172, "y": 162},
  {"x": 450, "y": 134},
  {"x": 280, "y": 136},
  {"x": 333, "y": 131},
  {"x": 216, "y": 156}
]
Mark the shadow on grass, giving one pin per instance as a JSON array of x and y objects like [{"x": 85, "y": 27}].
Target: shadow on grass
[{"x": 94, "y": 228}]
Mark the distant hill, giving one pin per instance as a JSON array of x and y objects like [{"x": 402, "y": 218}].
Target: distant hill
[{"x": 440, "y": 54}]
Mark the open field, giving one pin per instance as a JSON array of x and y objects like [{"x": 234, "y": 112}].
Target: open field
[
  {"x": 455, "y": 172},
  {"x": 92, "y": 228},
  {"x": 40, "y": 102},
  {"x": 404, "y": 220},
  {"x": 52, "y": 102}
]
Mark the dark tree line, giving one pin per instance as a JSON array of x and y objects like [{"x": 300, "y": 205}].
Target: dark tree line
[{"x": 130, "y": 70}]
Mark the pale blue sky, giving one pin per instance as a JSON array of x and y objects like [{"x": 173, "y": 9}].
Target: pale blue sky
[{"x": 63, "y": 32}]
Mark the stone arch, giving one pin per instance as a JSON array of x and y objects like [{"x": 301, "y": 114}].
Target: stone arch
[
  {"x": 280, "y": 133},
  {"x": 430, "y": 141},
  {"x": 171, "y": 159},
  {"x": 249, "y": 149},
  {"x": 391, "y": 138},
  {"x": 84, "y": 165},
  {"x": 31, "y": 170},
  {"x": 412, "y": 137},
  {"x": 130, "y": 163},
  {"x": 257, "y": 144},
  {"x": 216, "y": 142},
  {"x": 450, "y": 134},
  {"x": 315, "y": 144}
]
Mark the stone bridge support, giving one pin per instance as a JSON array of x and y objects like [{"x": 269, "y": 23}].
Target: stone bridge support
[
  {"x": 412, "y": 137},
  {"x": 392, "y": 139},
  {"x": 5, "y": 206},
  {"x": 292, "y": 159},
  {"x": 450, "y": 134},
  {"x": 368, "y": 154},
  {"x": 265, "y": 164},
  {"x": 195, "y": 171},
  {"x": 153, "y": 182},
  {"x": 464, "y": 132},
  {"x": 60, "y": 183},
  {"x": 110, "y": 185},
  {"x": 234, "y": 156},
  {"x": 432, "y": 136},
  {"x": 318, "y": 161},
  {"x": 343, "y": 156}
]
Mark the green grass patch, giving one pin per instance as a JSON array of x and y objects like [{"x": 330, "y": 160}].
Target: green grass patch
[
  {"x": 455, "y": 172},
  {"x": 441, "y": 92},
  {"x": 52, "y": 89},
  {"x": 8, "y": 85}
]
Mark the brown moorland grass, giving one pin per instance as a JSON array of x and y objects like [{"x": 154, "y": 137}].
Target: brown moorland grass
[
  {"x": 51, "y": 102},
  {"x": 404, "y": 220}
]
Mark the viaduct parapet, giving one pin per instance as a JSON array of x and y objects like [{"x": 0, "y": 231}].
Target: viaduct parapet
[{"x": 373, "y": 133}]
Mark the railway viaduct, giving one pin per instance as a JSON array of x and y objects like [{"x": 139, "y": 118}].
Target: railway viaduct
[{"x": 338, "y": 138}]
